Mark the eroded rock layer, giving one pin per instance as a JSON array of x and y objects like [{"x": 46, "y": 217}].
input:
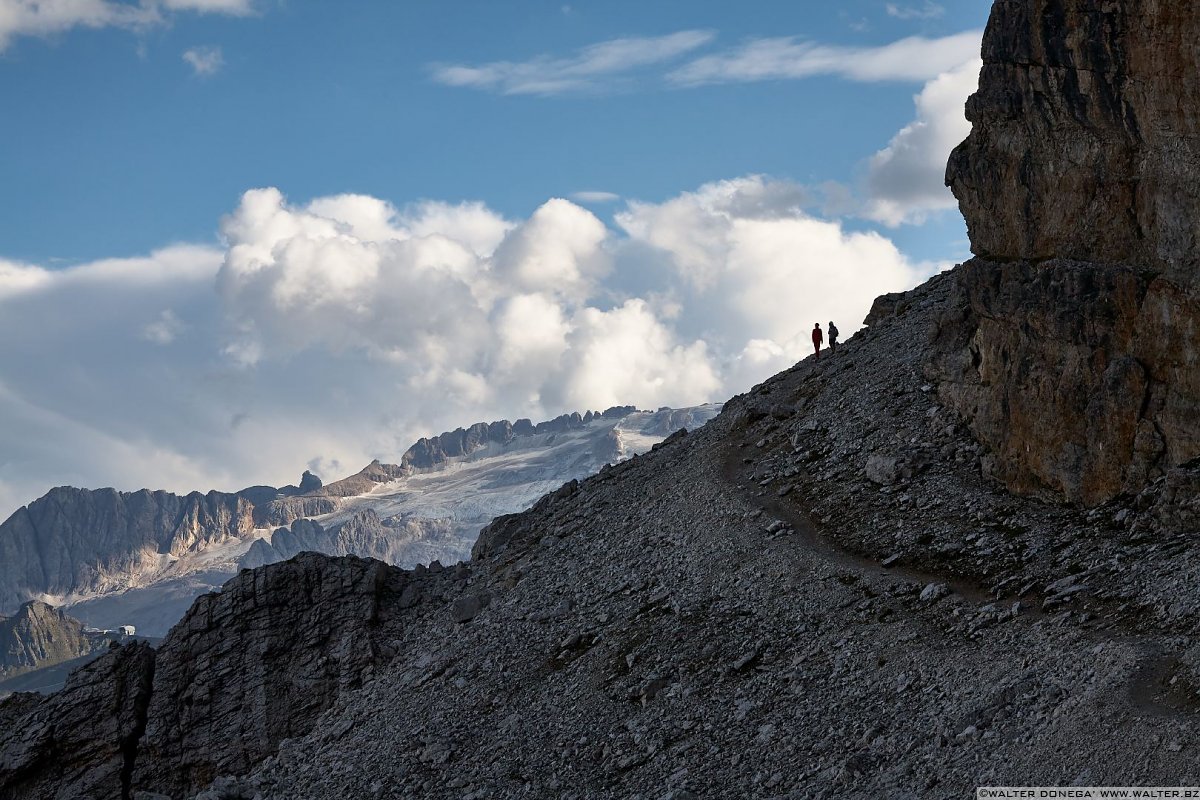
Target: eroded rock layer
[
  {"x": 1071, "y": 344},
  {"x": 1086, "y": 137},
  {"x": 258, "y": 662},
  {"x": 1081, "y": 378}
]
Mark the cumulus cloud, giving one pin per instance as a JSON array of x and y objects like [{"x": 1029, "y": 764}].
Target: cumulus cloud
[
  {"x": 915, "y": 58},
  {"x": 16, "y": 278},
  {"x": 51, "y": 17},
  {"x": 751, "y": 272},
  {"x": 341, "y": 329},
  {"x": 204, "y": 60},
  {"x": 906, "y": 179},
  {"x": 593, "y": 67}
]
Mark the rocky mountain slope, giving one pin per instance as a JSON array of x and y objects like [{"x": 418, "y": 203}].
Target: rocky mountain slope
[
  {"x": 817, "y": 594},
  {"x": 74, "y": 542},
  {"x": 141, "y": 558},
  {"x": 40, "y": 635},
  {"x": 823, "y": 593}
]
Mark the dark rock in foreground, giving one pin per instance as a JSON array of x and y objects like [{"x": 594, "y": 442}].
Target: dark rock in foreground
[
  {"x": 82, "y": 741},
  {"x": 1071, "y": 347}
]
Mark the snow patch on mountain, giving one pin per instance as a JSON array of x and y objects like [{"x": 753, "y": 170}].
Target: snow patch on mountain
[{"x": 432, "y": 511}]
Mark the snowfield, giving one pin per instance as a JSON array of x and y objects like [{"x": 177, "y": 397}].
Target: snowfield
[{"x": 431, "y": 514}]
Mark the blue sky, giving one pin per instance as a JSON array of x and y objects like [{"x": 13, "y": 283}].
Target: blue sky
[
  {"x": 242, "y": 238},
  {"x": 119, "y": 147}
]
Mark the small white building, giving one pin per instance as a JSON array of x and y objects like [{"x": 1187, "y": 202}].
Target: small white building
[{"x": 126, "y": 630}]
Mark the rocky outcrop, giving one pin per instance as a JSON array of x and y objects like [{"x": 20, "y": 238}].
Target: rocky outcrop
[
  {"x": 364, "y": 535},
  {"x": 263, "y": 495},
  {"x": 283, "y": 510},
  {"x": 258, "y": 662},
  {"x": 1071, "y": 343},
  {"x": 245, "y": 669},
  {"x": 78, "y": 540},
  {"x": 364, "y": 480},
  {"x": 39, "y": 635},
  {"x": 1080, "y": 378},
  {"x": 82, "y": 741},
  {"x": 1086, "y": 136}
]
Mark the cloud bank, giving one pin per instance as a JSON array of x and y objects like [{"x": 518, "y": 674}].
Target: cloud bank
[
  {"x": 906, "y": 179},
  {"x": 324, "y": 334}
]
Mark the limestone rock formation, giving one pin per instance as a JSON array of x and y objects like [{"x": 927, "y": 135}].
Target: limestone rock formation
[
  {"x": 246, "y": 668},
  {"x": 364, "y": 534},
  {"x": 282, "y": 510},
  {"x": 79, "y": 540},
  {"x": 258, "y": 662},
  {"x": 39, "y": 635},
  {"x": 82, "y": 741},
  {"x": 1072, "y": 342},
  {"x": 431, "y": 452},
  {"x": 1086, "y": 137}
]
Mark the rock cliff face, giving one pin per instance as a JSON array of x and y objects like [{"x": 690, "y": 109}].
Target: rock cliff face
[
  {"x": 245, "y": 669},
  {"x": 82, "y": 741},
  {"x": 39, "y": 635},
  {"x": 259, "y": 662},
  {"x": 78, "y": 540},
  {"x": 1086, "y": 138},
  {"x": 364, "y": 535},
  {"x": 1071, "y": 343}
]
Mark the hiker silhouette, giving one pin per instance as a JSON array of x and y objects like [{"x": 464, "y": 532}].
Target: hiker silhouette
[
  {"x": 817, "y": 338},
  {"x": 833, "y": 337}
]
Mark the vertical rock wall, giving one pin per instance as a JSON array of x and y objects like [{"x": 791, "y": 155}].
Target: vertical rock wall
[
  {"x": 1073, "y": 342},
  {"x": 1086, "y": 138}
]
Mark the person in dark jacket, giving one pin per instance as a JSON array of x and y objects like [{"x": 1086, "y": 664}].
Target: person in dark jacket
[
  {"x": 833, "y": 334},
  {"x": 818, "y": 338}
]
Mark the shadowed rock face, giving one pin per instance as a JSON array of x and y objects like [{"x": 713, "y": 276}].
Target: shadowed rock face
[
  {"x": 74, "y": 540},
  {"x": 1086, "y": 138},
  {"x": 40, "y": 635},
  {"x": 1071, "y": 344},
  {"x": 81, "y": 741},
  {"x": 245, "y": 669},
  {"x": 258, "y": 662}
]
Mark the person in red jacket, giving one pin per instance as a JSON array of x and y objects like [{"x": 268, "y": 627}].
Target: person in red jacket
[{"x": 818, "y": 338}]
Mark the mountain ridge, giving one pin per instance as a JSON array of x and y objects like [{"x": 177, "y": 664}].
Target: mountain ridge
[
  {"x": 164, "y": 549},
  {"x": 877, "y": 574}
]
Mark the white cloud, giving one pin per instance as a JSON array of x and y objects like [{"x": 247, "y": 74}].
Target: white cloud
[
  {"x": 752, "y": 273},
  {"x": 927, "y": 10},
  {"x": 163, "y": 329},
  {"x": 17, "y": 278},
  {"x": 913, "y": 59},
  {"x": 51, "y": 17},
  {"x": 236, "y": 8},
  {"x": 204, "y": 60},
  {"x": 593, "y": 67},
  {"x": 557, "y": 252},
  {"x": 590, "y": 196},
  {"x": 906, "y": 180},
  {"x": 340, "y": 330}
]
